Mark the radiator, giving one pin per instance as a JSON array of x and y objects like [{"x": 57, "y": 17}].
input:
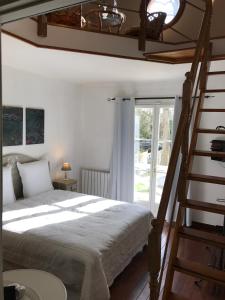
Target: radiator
[{"x": 95, "y": 182}]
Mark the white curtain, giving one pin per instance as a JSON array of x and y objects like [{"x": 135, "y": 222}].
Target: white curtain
[{"x": 122, "y": 162}]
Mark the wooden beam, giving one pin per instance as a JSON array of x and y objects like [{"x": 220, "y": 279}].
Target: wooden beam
[
  {"x": 42, "y": 25},
  {"x": 12, "y": 10},
  {"x": 143, "y": 16}
]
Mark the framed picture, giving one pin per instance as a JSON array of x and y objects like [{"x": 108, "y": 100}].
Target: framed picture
[
  {"x": 12, "y": 126},
  {"x": 35, "y": 123}
]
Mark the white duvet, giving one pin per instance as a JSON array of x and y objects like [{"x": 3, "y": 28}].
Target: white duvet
[{"x": 84, "y": 240}]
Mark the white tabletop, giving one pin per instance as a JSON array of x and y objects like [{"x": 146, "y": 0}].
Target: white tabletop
[{"x": 46, "y": 285}]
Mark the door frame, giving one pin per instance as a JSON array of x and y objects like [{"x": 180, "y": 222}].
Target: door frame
[
  {"x": 155, "y": 105},
  {"x": 13, "y": 10}
]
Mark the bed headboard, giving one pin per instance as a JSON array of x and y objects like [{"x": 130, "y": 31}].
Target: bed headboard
[{"x": 12, "y": 159}]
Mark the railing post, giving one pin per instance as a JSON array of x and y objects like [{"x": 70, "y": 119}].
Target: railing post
[
  {"x": 187, "y": 97},
  {"x": 154, "y": 251},
  {"x": 143, "y": 16},
  {"x": 182, "y": 187}
]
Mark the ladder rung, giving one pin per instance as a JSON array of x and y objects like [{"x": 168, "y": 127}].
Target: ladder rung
[
  {"x": 200, "y": 271},
  {"x": 206, "y": 178},
  {"x": 216, "y": 73},
  {"x": 209, "y": 153},
  {"x": 205, "y": 206},
  {"x": 215, "y": 91},
  {"x": 205, "y": 130},
  {"x": 212, "y": 110},
  {"x": 213, "y": 239}
]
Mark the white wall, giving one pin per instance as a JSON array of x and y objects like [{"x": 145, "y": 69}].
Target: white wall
[
  {"x": 97, "y": 128},
  {"x": 61, "y": 103},
  {"x": 80, "y": 121},
  {"x": 98, "y": 115},
  {"x": 204, "y": 165}
]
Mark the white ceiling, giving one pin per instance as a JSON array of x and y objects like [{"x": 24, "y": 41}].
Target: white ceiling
[{"x": 82, "y": 68}]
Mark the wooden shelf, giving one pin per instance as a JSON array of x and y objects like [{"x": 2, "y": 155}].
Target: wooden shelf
[
  {"x": 212, "y": 110},
  {"x": 215, "y": 91},
  {"x": 201, "y": 236},
  {"x": 212, "y": 131},
  {"x": 216, "y": 73},
  {"x": 207, "y": 178},
  {"x": 205, "y": 206},
  {"x": 209, "y": 153},
  {"x": 200, "y": 271}
]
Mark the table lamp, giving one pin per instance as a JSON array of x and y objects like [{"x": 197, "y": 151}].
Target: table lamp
[{"x": 66, "y": 167}]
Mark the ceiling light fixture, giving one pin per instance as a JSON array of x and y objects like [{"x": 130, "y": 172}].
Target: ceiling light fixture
[
  {"x": 111, "y": 14},
  {"x": 105, "y": 17}
]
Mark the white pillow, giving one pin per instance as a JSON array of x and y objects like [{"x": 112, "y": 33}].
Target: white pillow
[
  {"x": 7, "y": 185},
  {"x": 35, "y": 177}
]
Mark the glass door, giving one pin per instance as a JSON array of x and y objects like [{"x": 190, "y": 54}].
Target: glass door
[
  {"x": 143, "y": 159},
  {"x": 153, "y": 140}
]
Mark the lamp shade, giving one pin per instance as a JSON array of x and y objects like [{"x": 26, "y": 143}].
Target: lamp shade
[{"x": 66, "y": 167}]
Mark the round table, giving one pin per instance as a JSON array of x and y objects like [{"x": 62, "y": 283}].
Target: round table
[{"x": 47, "y": 286}]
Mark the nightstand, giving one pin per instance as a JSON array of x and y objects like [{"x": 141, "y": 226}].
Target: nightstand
[
  {"x": 39, "y": 285},
  {"x": 65, "y": 184}
]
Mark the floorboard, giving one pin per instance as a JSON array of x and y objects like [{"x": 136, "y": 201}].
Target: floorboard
[{"x": 133, "y": 284}]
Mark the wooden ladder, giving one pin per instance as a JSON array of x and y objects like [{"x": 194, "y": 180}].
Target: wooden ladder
[
  {"x": 193, "y": 99},
  {"x": 177, "y": 263}
]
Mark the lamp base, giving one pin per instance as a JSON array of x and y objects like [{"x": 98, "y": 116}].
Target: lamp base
[{"x": 66, "y": 177}]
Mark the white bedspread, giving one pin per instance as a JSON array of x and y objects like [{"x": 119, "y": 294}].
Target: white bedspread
[{"x": 85, "y": 240}]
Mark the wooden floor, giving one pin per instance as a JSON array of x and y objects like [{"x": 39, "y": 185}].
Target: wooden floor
[{"x": 132, "y": 284}]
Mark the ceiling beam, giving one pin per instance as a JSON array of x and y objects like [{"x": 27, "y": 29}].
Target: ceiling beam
[
  {"x": 143, "y": 23},
  {"x": 12, "y": 10},
  {"x": 42, "y": 26}
]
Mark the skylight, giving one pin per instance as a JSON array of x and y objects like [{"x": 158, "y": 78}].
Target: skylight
[{"x": 170, "y": 7}]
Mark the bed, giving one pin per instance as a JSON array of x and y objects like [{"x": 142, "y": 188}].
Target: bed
[{"x": 86, "y": 241}]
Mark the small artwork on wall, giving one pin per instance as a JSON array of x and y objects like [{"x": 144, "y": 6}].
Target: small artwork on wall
[
  {"x": 12, "y": 126},
  {"x": 35, "y": 119}
]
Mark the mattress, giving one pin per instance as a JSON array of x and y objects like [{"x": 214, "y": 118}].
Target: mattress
[{"x": 84, "y": 240}]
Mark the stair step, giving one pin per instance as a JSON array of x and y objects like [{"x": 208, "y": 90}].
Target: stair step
[
  {"x": 205, "y": 206},
  {"x": 206, "y": 178},
  {"x": 213, "y": 239},
  {"x": 216, "y": 73},
  {"x": 200, "y": 271},
  {"x": 205, "y": 130},
  {"x": 176, "y": 296},
  {"x": 212, "y": 110},
  {"x": 209, "y": 153},
  {"x": 215, "y": 91}
]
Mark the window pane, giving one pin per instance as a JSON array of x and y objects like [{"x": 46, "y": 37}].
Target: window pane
[
  {"x": 164, "y": 148},
  {"x": 143, "y": 147},
  {"x": 170, "y": 7},
  {"x": 166, "y": 123},
  {"x": 143, "y": 123}
]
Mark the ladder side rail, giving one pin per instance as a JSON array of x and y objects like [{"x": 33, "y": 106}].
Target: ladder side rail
[
  {"x": 203, "y": 83},
  {"x": 182, "y": 183},
  {"x": 202, "y": 73},
  {"x": 154, "y": 240},
  {"x": 206, "y": 23},
  {"x": 187, "y": 149},
  {"x": 171, "y": 219},
  {"x": 158, "y": 223},
  {"x": 179, "y": 135}
]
